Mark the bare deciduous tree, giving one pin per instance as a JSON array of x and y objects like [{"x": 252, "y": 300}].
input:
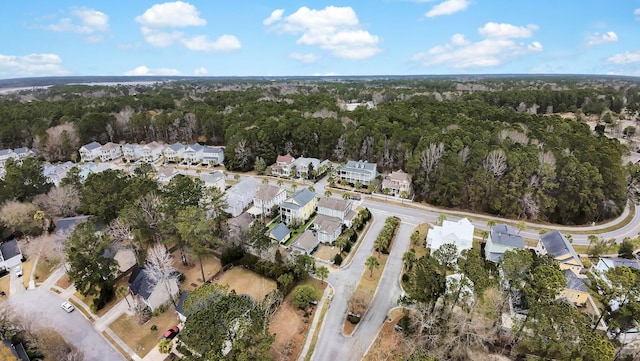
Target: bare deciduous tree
[
  {"x": 18, "y": 218},
  {"x": 142, "y": 311},
  {"x": 547, "y": 158},
  {"x": 366, "y": 150},
  {"x": 160, "y": 267},
  {"x": 514, "y": 135},
  {"x": 340, "y": 150},
  {"x": 496, "y": 162},
  {"x": 463, "y": 154},
  {"x": 430, "y": 157},
  {"x": 243, "y": 153},
  {"x": 63, "y": 201}
]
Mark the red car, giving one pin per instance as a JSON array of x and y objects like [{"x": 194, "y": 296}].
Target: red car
[{"x": 171, "y": 333}]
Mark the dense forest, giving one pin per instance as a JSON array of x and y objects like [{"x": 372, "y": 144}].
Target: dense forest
[{"x": 491, "y": 145}]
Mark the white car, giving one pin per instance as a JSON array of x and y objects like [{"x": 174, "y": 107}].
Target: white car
[
  {"x": 19, "y": 271},
  {"x": 67, "y": 306}
]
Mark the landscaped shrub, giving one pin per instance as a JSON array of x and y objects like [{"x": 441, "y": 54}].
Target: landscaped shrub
[
  {"x": 183, "y": 350},
  {"x": 106, "y": 295},
  {"x": 337, "y": 259},
  {"x": 347, "y": 248},
  {"x": 154, "y": 328},
  {"x": 231, "y": 255},
  {"x": 160, "y": 309},
  {"x": 383, "y": 241}
]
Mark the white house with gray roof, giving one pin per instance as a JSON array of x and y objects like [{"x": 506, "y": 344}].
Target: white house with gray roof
[
  {"x": 212, "y": 155},
  {"x": 22, "y": 153},
  {"x": 5, "y": 155},
  {"x": 214, "y": 179},
  {"x": 605, "y": 264},
  {"x": 192, "y": 154},
  {"x": 89, "y": 152},
  {"x": 358, "y": 171},
  {"x": 305, "y": 243},
  {"x": 501, "y": 239},
  {"x": 110, "y": 151},
  {"x": 10, "y": 254},
  {"x": 173, "y": 153},
  {"x": 240, "y": 196},
  {"x": 151, "y": 152},
  {"x": 459, "y": 233},
  {"x": 266, "y": 198}
]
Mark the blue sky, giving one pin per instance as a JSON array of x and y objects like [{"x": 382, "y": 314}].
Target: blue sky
[{"x": 283, "y": 38}]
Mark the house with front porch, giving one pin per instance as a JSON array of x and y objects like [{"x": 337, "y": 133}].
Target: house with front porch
[
  {"x": 24, "y": 152},
  {"x": 212, "y": 155},
  {"x": 90, "y": 152},
  {"x": 283, "y": 166},
  {"x": 266, "y": 198},
  {"x": 110, "y": 151},
  {"x": 303, "y": 166},
  {"x": 173, "y": 153},
  {"x": 131, "y": 152},
  {"x": 214, "y": 179},
  {"x": 192, "y": 154},
  {"x": 459, "y": 233},
  {"x": 151, "y": 152},
  {"x": 299, "y": 207},
  {"x": 397, "y": 183},
  {"x": 326, "y": 228},
  {"x": 166, "y": 174},
  {"x": 358, "y": 172},
  {"x": 240, "y": 196}
]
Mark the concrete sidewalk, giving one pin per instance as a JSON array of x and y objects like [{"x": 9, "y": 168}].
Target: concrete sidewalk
[{"x": 316, "y": 320}]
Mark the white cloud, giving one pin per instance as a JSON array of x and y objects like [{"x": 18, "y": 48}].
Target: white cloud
[
  {"x": 143, "y": 70},
  {"x": 202, "y": 43},
  {"x": 599, "y": 39},
  {"x": 305, "y": 58},
  {"x": 447, "y": 7},
  {"x": 85, "y": 21},
  {"x": 276, "y": 15},
  {"x": 334, "y": 29},
  {"x": 497, "y": 46},
  {"x": 201, "y": 71},
  {"x": 628, "y": 57},
  {"x": 506, "y": 31},
  {"x": 31, "y": 65},
  {"x": 159, "y": 21},
  {"x": 636, "y": 12},
  {"x": 176, "y": 14}
]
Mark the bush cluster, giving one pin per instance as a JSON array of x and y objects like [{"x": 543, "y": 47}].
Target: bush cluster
[{"x": 386, "y": 235}]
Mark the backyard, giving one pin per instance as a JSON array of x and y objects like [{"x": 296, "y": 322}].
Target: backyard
[
  {"x": 192, "y": 273},
  {"x": 326, "y": 252},
  {"x": 244, "y": 281}
]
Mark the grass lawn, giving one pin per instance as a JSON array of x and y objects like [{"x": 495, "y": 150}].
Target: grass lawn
[
  {"x": 27, "y": 268},
  {"x": 140, "y": 337},
  {"x": 326, "y": 252},
  {"x": 192, "y": 273},
  {"x": 44, "y": 268},
  {"x": 64, "y": 282},
  {"x": 420, "y": 248},
  {"x": 244, "y": 281},
  {"x": 4, "y": 286}
]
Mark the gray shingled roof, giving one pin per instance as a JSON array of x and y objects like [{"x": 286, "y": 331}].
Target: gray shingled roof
[
  {"x": 65, "y": 226},
  {"x": 279, "y": 232},
  {"x": 574, "y": 282},
  {"x": 141, "y": 283},
  {"x": 354, "y": 165},
  {"x": 306, "y": 241},
  {"x": 300, "y": 197},
  {"x": 92, "y": 146},
  {"x": 176, "y": 146},
  {"x": 557, "y": 245},
  {"x": 9, "y": 249},
  {"x": 507, "y": 236},
  {"x": 333, "y": 203},
  {"x": 5, "y": 151}
]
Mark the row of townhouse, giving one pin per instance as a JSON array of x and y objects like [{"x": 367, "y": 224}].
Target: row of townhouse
[
  {"x": 152, "y": 152},
  {"x": 15, "y": 154}
]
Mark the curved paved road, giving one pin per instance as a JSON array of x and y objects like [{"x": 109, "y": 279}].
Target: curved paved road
[{"x": 42, "y": 308}]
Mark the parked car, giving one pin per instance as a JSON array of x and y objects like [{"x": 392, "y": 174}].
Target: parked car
[
  {"x": 19, "y": 271},
  {"x": 171, "y": 333},
  {"x": 67, "y": 306}
]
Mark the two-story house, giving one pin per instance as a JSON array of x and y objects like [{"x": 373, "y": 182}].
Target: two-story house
[
  {"x": 192, "y": 154},
  {"x": 151, "y": 152},
  {"x": 212, "y": 155},
  {"x": 131, "y": 152},
  {"x": 576, "y": 291},
  {"x": 283, "y": 166},
  {"x": 110, "y": 151},
  {"x": 501, "y": 239},
  {"x": 335, "y": 207},
  {"x": 5, "y": 155},
  {"x": 605, "y": 264},
  {"x": 23, "y": 152},
  {"x": 299, "y": 207},
  {"x": 240, "y": 196},
  {"x": 89, "y": 152},
  {"x": 304, "y": 165},
  {"x": 266, "y": 198},
  {"x": 459, "y": 233},
  {"x": 326, "y": 228},
  {"x": 557, "y": 245},
  {"x": 358, "y": 171},
  {"x": 214, "y": 179},
  {"x": 397, "y": 183},
  {"x": 173, "y": 153}
]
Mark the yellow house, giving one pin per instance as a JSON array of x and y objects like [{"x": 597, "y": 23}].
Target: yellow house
[
  {"x": 299, "y": 207},
  {"x": 576, "y": 292},
  {"x": 555, "y": 244}
]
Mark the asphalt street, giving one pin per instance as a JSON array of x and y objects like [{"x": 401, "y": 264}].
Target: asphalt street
[{"x": 42, "y": 308}]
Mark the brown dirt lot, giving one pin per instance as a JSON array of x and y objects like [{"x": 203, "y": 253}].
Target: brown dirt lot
[
  {"x": 244, "y": 281},
  {"x": 388, "y": 344},
  {"x": 290, "y": 327},
  {"x": 192, "y": 272},
  {"x": 326, "y": 252}
]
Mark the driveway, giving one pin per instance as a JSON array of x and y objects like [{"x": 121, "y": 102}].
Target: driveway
[{"x": 42, "y": 307}]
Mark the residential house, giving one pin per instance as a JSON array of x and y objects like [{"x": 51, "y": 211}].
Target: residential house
[
  {"x": 110, "y": 151},
  {"x": 576, "y": 291},
  {"x": 335, "y": 207},
  {"x": 326, "y": 228},
  {"x": 397, "y": 183},
  {"x": 192, "y": 154},
  {"x": 501, "y": 239},
  {"x": 240, "y": 196},
  {"x": 358, "y": 172},
  {"x": 266, "y": 198},
  {"x": 302, "y": 166},
  {"x": 283, "y": 165},
  {"x": 124, "y": 257},
  {"x": 22, "y": 153},
  {"x": 10, "y": 254},
  {"x": 149, "y": 290},
  {"x": 212, "y": 155},
  {"x": 239, "y": 225},
  {"x": 280, "y": 233},
  {"x": 299, "y": 207},
  {"x": 214, "y": 179},
  {"x": 353, "y": 105},
  {"x": 55, "y": 173},
  {"x": 557, "y": 245},
  {"x": 461, "y": 286},
  {"x": 459, "y": 233},
  {"x": 173, "y": 153},
  {"x": 131, "y": 152},
  {"x": 5, "y": 155},
  {"x": 151, "y": 152},
  {"x": 306, "y": 242},
  {"x": 166, "y": 174},
  {"x": 65, "y": 226},
  {"x": 91, "y": 151},
  {"x": 605, "y": 264}
]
